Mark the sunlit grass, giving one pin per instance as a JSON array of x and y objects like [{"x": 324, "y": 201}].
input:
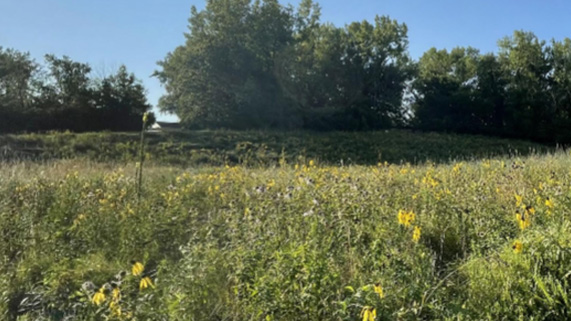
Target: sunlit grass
[{"x": 300, "y": 241}]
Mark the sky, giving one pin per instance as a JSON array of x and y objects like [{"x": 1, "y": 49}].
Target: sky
[{"x": 108, "y": 33}]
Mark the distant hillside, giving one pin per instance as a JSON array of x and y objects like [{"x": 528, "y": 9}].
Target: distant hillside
[{"x": 265, "y": 148}]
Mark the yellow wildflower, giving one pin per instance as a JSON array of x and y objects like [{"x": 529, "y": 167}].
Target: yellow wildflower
[
  {"x": 145, "y": 283},
  {"x": 549, "y": 203},
  {"x": 401, "y": 217},
  {"x": 115, "y": 309},
  {"x": 416, "y": 234},
  {"x": 518, "y": 199},
  {"x": 137, "y": 268},
  {"x": 116, "y": 294},
  {"x": 98, "y": 297},
  {"x": 405, "y": 218},
  {"x": 517, "y": 247},
  {"x": 379, "y": 290},
  {"x": 523, "y": 220},
  {"x": 369, "y": 313}
]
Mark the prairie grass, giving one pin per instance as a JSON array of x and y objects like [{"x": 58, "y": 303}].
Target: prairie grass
[
  {"x": 295, "y": 241},
  {"x": 264, "y": 148}
]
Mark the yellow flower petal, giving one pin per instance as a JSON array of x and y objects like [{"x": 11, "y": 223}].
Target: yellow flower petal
[
  {"x": 98, "y": 298},
  {"x": 145, "y": 283},
  {"x": 416, "y": 234},
  {"x": 137, "y": 268}
]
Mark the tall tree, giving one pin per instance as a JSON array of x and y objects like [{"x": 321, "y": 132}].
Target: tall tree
[
  {"x": 259, "y": 64},
  {"x": 17, "y": 72},
  {"x": 377, "y": 67},
  {"x": 69, "y": 82},
  {"x": 121, "y": 101},
  {"x": 526, "y": 63},
  {"x": 560, "y": 91},
  {"x": 491, "y": 94},
  {"x": 224, "y": 75},
  {"x": 444, "y": 91},
  {"x": 66, "y": 96}
]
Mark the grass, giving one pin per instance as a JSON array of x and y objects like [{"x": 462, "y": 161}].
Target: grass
[
  {"x": 302, "y": 240},
  {"x": 259, "y": 148}
]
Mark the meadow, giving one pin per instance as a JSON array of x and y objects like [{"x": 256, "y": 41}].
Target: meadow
[
  {"x": 263, "y": 148},
  {"x": 295, "y": 238}
]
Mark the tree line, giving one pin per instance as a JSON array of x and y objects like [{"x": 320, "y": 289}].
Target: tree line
[
  {"x": 63, "y": 94},
  {"x": 264, "y": 65},
  {"x": 261, "y": 64}
]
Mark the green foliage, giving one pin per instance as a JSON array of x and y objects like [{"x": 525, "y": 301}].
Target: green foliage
[
  {"x": 296, "y": 242},
  {"x": 63, "y": 95},
  {"x": 228, "y": 80},
  {"x": 520, "y": 92},
  {"x": 17, "y": 71},
  {"x": 260, "y": 65},
  {"x": 261, "y": 148}
]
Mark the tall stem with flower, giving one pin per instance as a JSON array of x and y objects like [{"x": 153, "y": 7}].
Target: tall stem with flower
[{"x": 139, "y": 174}]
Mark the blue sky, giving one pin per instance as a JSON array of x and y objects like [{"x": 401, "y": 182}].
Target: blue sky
[{"x": 108, "y": 33}]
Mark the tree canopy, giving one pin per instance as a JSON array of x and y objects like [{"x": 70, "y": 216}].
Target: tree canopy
[
  {"x": 62, "y": 94},
  {"x": 522, "y": 91},
  {"x": 264, "y": 65}
]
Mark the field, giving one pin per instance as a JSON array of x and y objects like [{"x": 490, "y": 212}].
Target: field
[
  {"x": 264, "y": 148},
  {"x": 474, "y": 230}
]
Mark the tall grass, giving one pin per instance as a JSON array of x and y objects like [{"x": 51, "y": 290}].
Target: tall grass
[
  {"x": 265, "y": 148},
  {"x": 300, "y": 241}
]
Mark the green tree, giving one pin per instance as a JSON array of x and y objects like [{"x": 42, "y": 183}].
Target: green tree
[
  {"x": 526, "y": 63},
  {"x": 65, "y": 100},
  {"x": 560, "y": 92},
  {"x": 248, "y": 65},
  {"x": 17, "y": 74},
  {"x": 491, "y": 93},
  {"x": 17, "y": 70},
  {"x": 349, "y": 78},
  {"x": 224, "y": 75},
  {"x": 121, "y": 101},
  {"x": 444, "y": 91},
  {"x": 377, "y": 67},
  {"x": 69, "y": 82}
]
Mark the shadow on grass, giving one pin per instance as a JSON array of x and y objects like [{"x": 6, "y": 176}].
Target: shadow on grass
[{"x": 259, "y": 148}]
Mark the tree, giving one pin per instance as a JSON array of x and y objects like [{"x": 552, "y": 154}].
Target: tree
[
  {"x": 491, "y": 93},
  {"x": 349, "y": 78},
  {"x": 560, "y": 91},
  {"x": 224, "y": 75},
  {"x": 120, "y": 100},
  {"x": 69, "y": 82},
  {"x": 525, "y": 60},
  {"x": 377, "y": 67},
  {"x": 444, "y": 91},
  {"x": 16, "y": 74},
  {"x": 262, "y": 65}
]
